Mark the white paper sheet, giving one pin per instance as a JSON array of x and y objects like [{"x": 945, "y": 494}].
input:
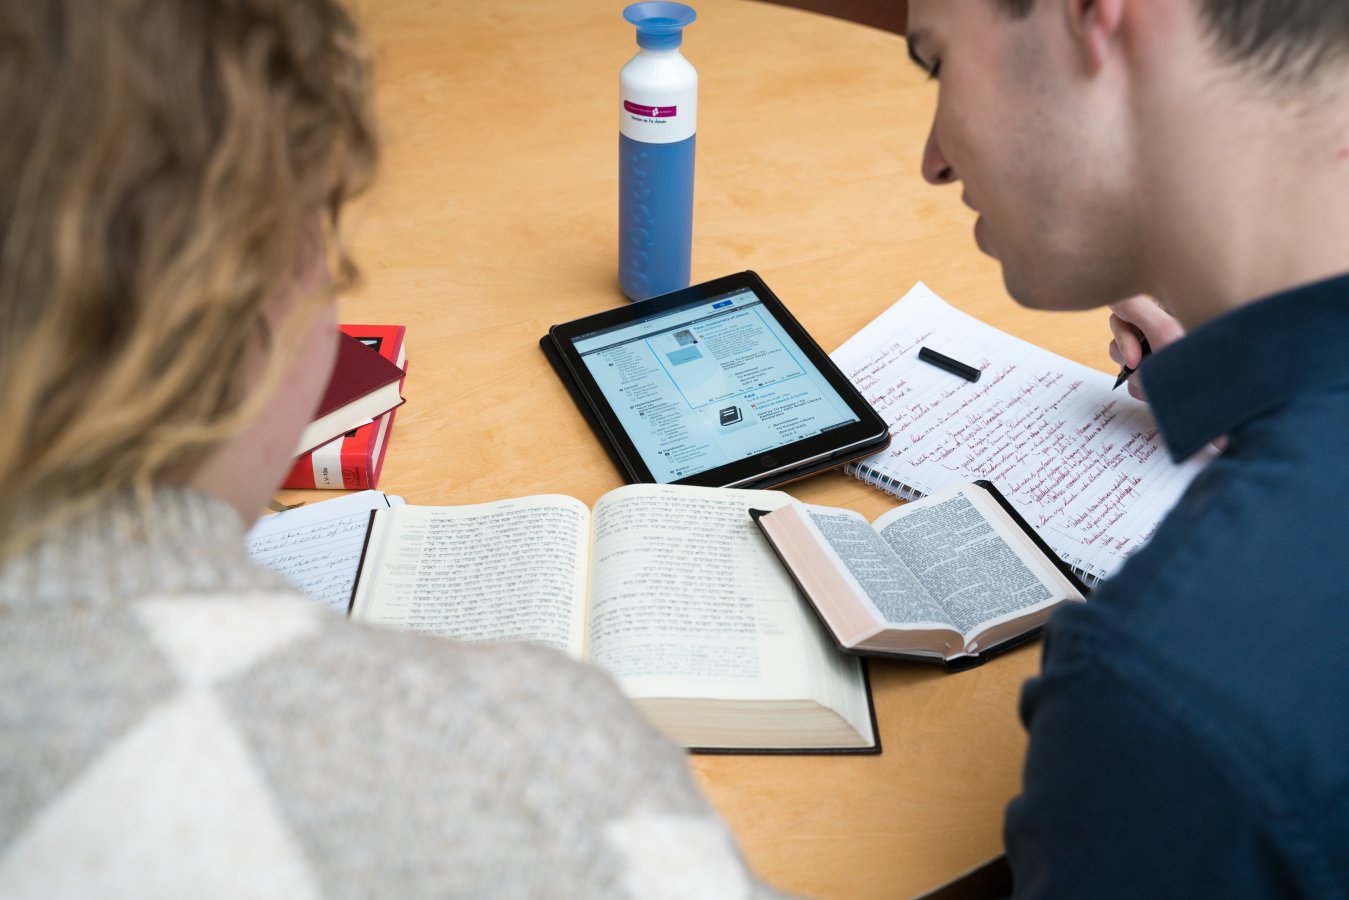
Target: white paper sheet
[{"x": 318, "y": 546}]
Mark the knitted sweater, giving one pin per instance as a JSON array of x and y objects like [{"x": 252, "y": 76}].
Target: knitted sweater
[{"x": 177, "y": 721}]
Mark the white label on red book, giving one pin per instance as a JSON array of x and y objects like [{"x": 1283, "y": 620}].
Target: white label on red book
[{"x": 327, "y": 463}]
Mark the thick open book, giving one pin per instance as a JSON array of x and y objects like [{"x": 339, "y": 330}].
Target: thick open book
[
  {"x": 953, "y": 578},
  {"x": 671, "y": 589}
]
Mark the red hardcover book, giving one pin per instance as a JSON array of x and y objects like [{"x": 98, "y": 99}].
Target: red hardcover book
[
  {"x": 353, "y": 460},
  {"x": 364, "y": 385}
]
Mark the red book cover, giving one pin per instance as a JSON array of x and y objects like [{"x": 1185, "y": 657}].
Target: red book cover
[
  {"x": 364, "y": 385},
  {"x": 353, "y": 460}
]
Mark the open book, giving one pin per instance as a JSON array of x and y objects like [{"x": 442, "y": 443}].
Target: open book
[
  {"x": 953, "y": 578},
  {"x": 318, "y": 546},
  {"x": 671, "y": 589}
]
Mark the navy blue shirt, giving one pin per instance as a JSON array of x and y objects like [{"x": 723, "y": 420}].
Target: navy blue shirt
[{"x": 1189, "y": 730}]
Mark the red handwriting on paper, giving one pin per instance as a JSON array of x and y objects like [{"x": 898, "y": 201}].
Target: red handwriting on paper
[{"x": 1069, "y": 462}]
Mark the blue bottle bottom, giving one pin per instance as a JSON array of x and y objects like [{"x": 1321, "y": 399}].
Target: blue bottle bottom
[{"x": 655, "y": 216}]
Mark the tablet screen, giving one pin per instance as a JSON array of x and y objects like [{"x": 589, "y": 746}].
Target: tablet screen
[{"x": 710, "y": 383}]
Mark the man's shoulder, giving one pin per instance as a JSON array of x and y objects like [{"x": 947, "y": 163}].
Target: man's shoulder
[
  {"x": 1263, "y": 522},
  {"x": 1224, "y": 632}
]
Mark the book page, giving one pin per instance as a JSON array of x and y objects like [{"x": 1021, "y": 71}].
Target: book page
[
  {"x": 510, "y": 570},
  {"x": 318, "y": 546},
  {"x": 964, "y": 562},
  {"x": 688, "y": 599},
  {"x": 1084, "y": 465},
  {"x": 887, "y": 586}
]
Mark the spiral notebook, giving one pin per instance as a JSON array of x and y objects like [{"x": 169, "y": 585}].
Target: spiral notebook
[{"x": 1085, "y": 465}]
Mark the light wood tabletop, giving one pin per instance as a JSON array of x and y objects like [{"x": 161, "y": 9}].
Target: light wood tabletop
[{"x": 495, "y": 216}]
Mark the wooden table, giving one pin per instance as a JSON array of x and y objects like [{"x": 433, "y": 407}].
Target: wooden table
[{"x": 495, "y": 216}]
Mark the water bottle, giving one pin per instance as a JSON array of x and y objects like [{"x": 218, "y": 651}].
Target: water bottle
[{"x": 657, "y": 119}]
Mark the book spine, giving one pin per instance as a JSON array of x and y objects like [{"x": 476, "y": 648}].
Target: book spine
[
  {"x": 377, "y": 448},
  {"x": 301, "y": 475},
  {"x": 329, "y": 464},
  {"x": 363, "y": 454},
  {"x": 336, "y": 466},
  {"x": 356, "y": 468}
]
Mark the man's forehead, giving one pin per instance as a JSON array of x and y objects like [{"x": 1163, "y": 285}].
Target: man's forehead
[
  {"x": 925, "y": 19},
  {"x": 918, "y": 14}
]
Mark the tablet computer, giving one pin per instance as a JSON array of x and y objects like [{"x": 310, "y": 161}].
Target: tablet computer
[{"x": 714, "y": 385}]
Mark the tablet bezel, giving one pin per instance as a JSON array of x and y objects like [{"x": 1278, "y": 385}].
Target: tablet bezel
[{"x": 816, "y": 453}]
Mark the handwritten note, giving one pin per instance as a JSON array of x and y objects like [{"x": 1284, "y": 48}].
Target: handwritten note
[
  {"x": 504, "y": 571},
  {"x": 318, "y": 546},
  {"x": 1084, "y": 464}
]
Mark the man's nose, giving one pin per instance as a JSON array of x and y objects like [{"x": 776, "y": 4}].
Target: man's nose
[{"x": 936, "y": 170}]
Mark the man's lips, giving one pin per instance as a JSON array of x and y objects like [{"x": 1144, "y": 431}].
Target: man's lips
[
  {"x": 980, "y": 228},
  {"x": 981, "y": 237}
]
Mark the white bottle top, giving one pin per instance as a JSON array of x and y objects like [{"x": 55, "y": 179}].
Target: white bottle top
[{"x": 658, "y": 97}]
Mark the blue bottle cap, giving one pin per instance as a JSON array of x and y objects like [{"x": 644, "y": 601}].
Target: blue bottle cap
[{"x": 660, "y": 26}]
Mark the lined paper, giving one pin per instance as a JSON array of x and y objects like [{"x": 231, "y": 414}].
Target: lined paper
[
  {"x": 1085, "y": 465},
  {"x": 318, "y": 546}
]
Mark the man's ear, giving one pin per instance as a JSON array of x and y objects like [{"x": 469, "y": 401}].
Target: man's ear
[{"x": 1094, "y": 25}]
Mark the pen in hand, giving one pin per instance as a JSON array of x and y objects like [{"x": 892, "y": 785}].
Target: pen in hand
[{"x": 1125, "y": 371}]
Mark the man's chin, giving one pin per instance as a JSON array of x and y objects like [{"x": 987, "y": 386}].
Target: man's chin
[
  {"x": 1022, "y": 298},
  {"x": 1053, "y": 296},
  {"x": 1020, "y": 289},
  {"x": 1050, "y": 294}
]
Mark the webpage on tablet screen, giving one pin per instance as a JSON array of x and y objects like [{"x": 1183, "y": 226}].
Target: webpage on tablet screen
[{"x": 709, "y": 384}]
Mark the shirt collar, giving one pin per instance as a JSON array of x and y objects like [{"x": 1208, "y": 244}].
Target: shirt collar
[{"x": 1248, "y": 363}]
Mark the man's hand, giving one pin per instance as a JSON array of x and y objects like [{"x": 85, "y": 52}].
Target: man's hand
[{"x": 1133, "y": 320}]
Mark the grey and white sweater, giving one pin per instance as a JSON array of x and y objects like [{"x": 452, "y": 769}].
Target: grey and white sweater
[{"x": 176, "y": 721}]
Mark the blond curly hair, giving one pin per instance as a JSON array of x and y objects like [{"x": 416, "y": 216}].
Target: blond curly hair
[{"x": 161, "y": 163}]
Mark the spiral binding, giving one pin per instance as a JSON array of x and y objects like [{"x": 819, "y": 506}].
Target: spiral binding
[
  {"x": 877, "y": 479},
  {"x": 1090, "y": 575}
]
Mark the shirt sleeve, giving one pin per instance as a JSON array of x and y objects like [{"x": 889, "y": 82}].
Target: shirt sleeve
[{"x": 1124, "y": 795}]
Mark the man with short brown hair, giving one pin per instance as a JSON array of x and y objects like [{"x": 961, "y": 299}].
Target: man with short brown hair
[{"x": 1189, "y": 733}]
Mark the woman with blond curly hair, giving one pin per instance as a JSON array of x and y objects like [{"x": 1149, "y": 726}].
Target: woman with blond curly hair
[{"x": 174, "y": 720}]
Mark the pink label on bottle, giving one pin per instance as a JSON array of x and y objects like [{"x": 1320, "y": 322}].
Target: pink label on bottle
[{"x": 655, "y": 112}]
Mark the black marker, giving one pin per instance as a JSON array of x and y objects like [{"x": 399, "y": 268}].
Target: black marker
[
  {"x": 1125, "y": 371},
  {"x": 969, "y": 373}
]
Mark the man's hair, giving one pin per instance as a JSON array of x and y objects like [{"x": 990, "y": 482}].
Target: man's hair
[
  {"x": 1282, "y": 39},
  {"x": 163, "y": 165}
]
